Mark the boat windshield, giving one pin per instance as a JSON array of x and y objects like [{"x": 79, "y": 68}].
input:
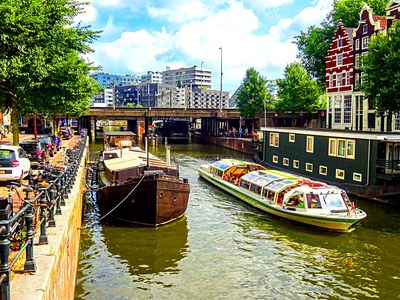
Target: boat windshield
[{"x": 334, "y": 201}]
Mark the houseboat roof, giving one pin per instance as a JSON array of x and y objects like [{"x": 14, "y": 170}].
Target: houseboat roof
[
  {"x": 120, "y": 133},
  {"x": 377, "y": 136}
]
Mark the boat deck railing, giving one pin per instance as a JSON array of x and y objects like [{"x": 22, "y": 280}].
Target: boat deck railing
[{"x": 388, "y": 164}]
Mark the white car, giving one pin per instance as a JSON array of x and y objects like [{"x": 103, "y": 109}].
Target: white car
[{"x": 14, "y": 165}]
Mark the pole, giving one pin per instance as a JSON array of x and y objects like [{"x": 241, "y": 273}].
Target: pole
[
  {"x": 265, "y": 114},
  {"x": 220, "y": 92},
  {"x": 201, "y": 80}
]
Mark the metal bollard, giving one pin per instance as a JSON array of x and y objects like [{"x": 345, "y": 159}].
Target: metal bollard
[
  {"x": 30, "y": 265},
  {"x": 43, "y": 240}
]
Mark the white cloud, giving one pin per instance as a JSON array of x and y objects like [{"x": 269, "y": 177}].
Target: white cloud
[
  {"x": 235, "y": 28},
  {"x": 187, "y": 11}
]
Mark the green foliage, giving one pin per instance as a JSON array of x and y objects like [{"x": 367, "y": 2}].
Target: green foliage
[
  {"x": 251, "y": 97},
  {"x": 42, "y": 70},
  {"x": 130, "y": 104},
  {"x": 298, "y": 92},
  {"x": 313, "y": 45},
  {"x": 381, "y": 69}
]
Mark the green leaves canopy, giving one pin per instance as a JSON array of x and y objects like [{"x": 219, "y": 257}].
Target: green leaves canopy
[
  {"x": 251, "y": 97},
  {"x": 381, "y": 70},
  {"x": 41, "y": 70},
  {"x": 298, "y": 92}
]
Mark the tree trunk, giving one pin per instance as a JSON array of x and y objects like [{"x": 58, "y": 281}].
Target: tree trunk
[
  {"x": 34, "y": 127},
  {"x": 14, "y": 120},
  {"x": 54, "y": 130}
]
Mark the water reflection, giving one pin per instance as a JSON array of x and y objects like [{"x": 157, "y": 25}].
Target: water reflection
[{"x": 149, "y": 250}]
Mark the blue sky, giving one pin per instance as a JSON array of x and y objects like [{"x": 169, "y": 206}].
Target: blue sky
[{"x": 140, "y": 36}]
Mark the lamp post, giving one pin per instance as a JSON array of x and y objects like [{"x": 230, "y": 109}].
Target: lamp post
[
  {"x": 220, "y": 92},
  {"x": 265, "y": 112},
  {"x": 201, "y": 71}
]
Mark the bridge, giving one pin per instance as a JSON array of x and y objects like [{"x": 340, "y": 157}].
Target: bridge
[{"x": 153, "y": 112}]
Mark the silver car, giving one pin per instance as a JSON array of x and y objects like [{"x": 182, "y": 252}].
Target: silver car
[{"x": 14, "y": 164}]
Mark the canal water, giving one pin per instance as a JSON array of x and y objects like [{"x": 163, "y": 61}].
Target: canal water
[{"x": 224, "y": 249}]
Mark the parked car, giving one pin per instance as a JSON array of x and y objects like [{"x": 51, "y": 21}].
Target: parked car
[
  {"x": 14, "y": 164},
  {"x": 66, "y": 133},
  {"x": 48, "y": 141},
  {"x": 36, "y": 151}
]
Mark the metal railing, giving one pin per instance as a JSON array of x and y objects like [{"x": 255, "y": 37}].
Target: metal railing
[
  {"x": 40, "y": 205},
  {"x": 388, "y": 164}
]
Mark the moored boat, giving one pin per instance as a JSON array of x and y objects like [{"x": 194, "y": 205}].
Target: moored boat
[
  {"x": 284, "y": 194},
  {"x": 137, "y": 187}
]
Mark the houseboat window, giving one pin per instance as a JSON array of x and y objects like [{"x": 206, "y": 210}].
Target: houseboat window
[
  {"x": 357, "y": 177},
  {"x": 332, "y": 147},
  {"x": 350, "y": 145},
  {"x": 255, "y": 188},
  {"x": 275, "y": 159},
  {"x": 286, "y": 161},
  {"x": 296, "y": 164},
  {"x": 309, "y": 167},
  {"x": 313, "y": 201},
  {"x": 323, "y": 170},
  {"x": 274, "y": 139},
  {"x": 292, "y": 137},
  {"x": 310, "y": 144},
  {"x": 341, "y": 151},
  {"x": 339, "y": 174}
]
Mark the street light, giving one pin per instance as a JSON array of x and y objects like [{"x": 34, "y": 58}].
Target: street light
[
  {"x": 220, "y": 92},
  {"x": 201, "y": 80}
]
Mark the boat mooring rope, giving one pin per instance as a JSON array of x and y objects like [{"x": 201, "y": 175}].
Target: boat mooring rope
[{"x": 126, "y": 197}]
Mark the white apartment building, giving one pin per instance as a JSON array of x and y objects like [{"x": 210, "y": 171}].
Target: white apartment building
[
  {"x": 152, "y": 77},
  {"x": 194, "y": 76}
]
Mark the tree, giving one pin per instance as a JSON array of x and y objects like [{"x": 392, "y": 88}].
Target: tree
[
  {"x": 251, "y": 97},
  {"x": 381, "y": 71},
  {"x": 313, "y": 45},
  {"x": 298, "y": 92},
  {"x": 41, "y": 70}
]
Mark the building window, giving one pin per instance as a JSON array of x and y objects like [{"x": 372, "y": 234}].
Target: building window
[
  {"x": 397, "y": 121},
  {"x": 357, "y": 61},
  {"x": 296, "y": 164},
  {"x": 309, "y": 167},
  {"x": 292, "y": 137},
  {"x": 348, "y": 82},
  {"x": 275, "y": 159},
  {"x": 330, "y": 80},
  {"x": 347, "y": 109},
  {"x": 357, "y": 177},
  {"x": 286, "y": 161},
  {"x": 365, "y": 28},
  {"x": 365, "y": 41},
  {"x": 357, "y": 44},
  {"x": 342, "y": 148},
  {"x": 323, "y": 170},
  {"x": 340, "y": 174},
  {"x": 339, "y": 79},
  {"x": 339, "y": 42},
  {"x": 339, "y": 59},
  {"x": 274, "y": 139},
  {"x": 337, "y": 110},
  {"x": 310, "y": 144}
]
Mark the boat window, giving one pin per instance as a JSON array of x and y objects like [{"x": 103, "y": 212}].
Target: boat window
[
  {"x": 270, "y": 195},
  {"x": 219, "y": 173},
  {"x": 313, "y": 201},
  {"x": 334, "y": 201},
  {"x": 255, "y": 188},
  {"x": 212, "y": 170},
  {"x": 110, "y": 155},
  {"x": 244, "y": 184},
  {"x": 295, "y": 201}
]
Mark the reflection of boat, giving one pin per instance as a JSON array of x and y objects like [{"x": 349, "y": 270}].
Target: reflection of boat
[
  {"x": 149, "y": 250},
  {"x": 285, "y": 195},
  {"x": 137, "y": 187}
]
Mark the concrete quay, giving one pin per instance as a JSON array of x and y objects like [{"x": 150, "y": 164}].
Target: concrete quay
[{"x": 56, "y": 262}]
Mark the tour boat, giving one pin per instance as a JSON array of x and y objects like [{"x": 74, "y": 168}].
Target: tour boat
[
  {"x": 137, "y": 187},
  {"x": 284, "y": 194}
]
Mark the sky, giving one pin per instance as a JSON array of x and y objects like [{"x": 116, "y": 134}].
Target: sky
[{"x": 139, "y": 36}]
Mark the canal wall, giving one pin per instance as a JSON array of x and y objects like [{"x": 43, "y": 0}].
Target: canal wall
[
  {"x": 57, "y": 261},
  {"x": 244, "y": 145}
]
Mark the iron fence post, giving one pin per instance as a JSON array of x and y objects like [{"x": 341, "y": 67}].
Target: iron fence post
[
  {"x": 52, "y": 193},
  {"x": 4, "y": 266},
  {"x": 30, "y": 265},
  {"x": 43, "y": 240}
]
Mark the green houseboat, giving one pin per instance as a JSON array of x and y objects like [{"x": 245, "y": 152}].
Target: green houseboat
[{"x": 365, "y": 164}]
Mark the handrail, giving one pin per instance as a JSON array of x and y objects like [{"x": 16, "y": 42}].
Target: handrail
[{"x": 46, "y": 199}]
